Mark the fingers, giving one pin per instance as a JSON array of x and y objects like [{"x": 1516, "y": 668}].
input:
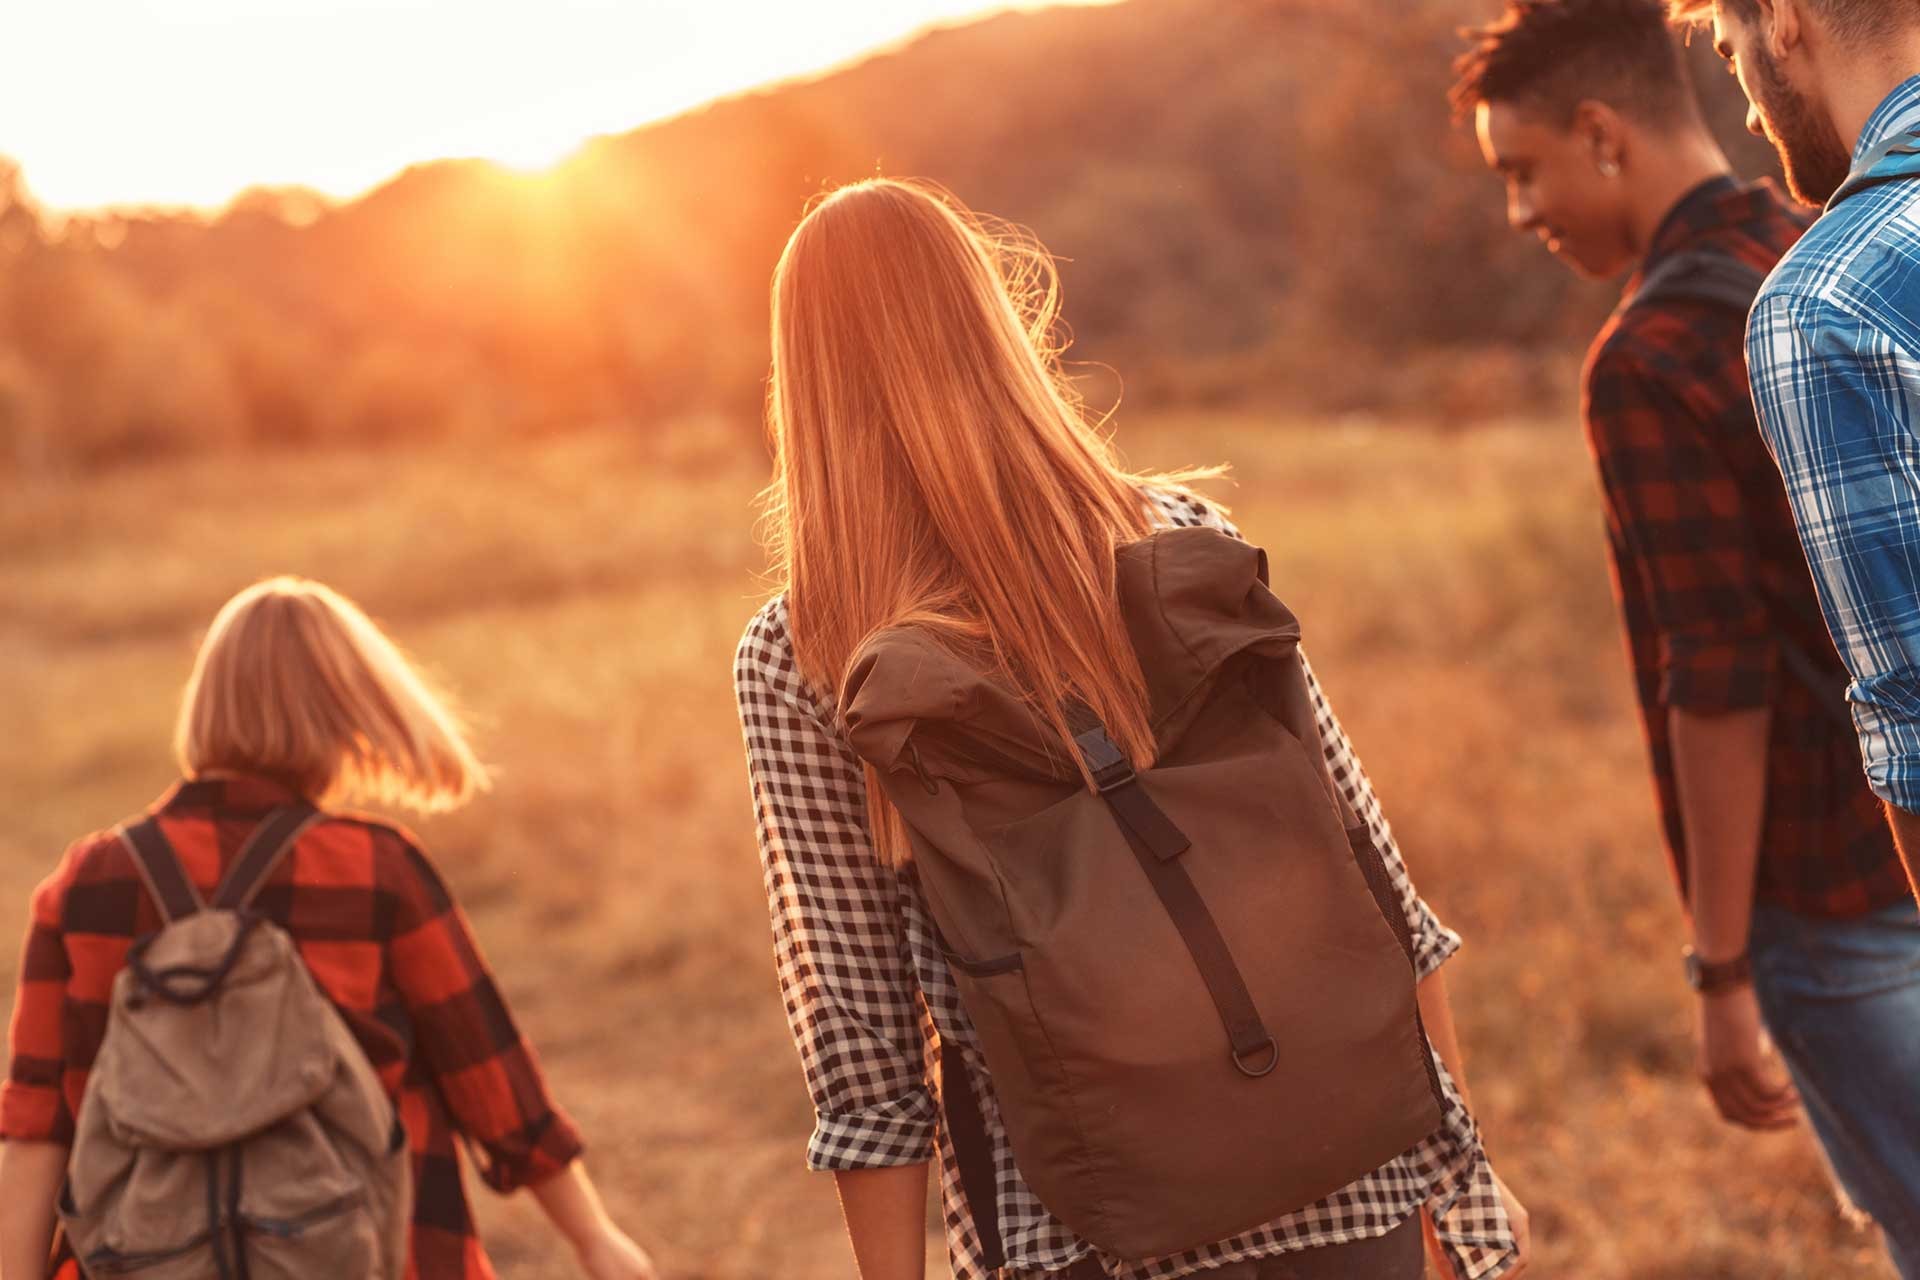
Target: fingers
[{"x": 1745, "y": 1096}]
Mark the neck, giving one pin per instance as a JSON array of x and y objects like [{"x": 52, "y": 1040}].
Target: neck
[
  {"x": 1862, "y": 81},
  {"x": 1669, "y": 170}
]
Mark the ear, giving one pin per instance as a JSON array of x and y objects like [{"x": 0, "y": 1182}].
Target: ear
[
  {"x": 1604, "y": 135},
  {"x": 1782, "y": 25}
]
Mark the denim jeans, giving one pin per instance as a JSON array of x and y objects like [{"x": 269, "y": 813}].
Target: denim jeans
[{"x": 1841, "y": 999}]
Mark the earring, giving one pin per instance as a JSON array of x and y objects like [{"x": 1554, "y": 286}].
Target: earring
[{"x": 1609, "y": 168}]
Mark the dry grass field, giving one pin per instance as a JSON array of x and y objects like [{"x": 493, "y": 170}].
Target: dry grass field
[{"x": 583, "y": 596}]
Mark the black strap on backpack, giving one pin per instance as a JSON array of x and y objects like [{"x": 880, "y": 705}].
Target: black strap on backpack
[
  {"x": 1157, "y": 845},
  {"x": 263, "y": 851},
  {"x": 972, "y": 1153},
  {"x": 1722, "y": 280},
  {"x": 175, "y": 894}
]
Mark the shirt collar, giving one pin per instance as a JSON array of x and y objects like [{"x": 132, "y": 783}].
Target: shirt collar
[
  {"x": 247, "y": 792},
  {"x": 1695, "y": 211},
  {"x": 1897, "y": 113}
]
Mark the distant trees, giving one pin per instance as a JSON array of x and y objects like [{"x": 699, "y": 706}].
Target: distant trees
[{"x": 1248, "y": 195}]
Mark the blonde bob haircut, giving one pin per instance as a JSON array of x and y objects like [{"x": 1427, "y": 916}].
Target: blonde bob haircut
[{"x": 296, "y": 683}]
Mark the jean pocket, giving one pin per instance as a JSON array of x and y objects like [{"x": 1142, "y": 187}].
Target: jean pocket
[{"x": 1873, "y": 953}]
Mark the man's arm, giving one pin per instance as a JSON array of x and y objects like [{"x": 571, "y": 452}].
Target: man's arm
[
  {"x": 1906, "y": 835},
  {"x": 1834, "y": 391},
  {"x": 1720, "y": 767},
  {"x": 1685, "y": 538}
]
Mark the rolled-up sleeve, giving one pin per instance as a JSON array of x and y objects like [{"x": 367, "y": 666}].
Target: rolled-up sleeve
[
  {"x": 485, "y": 1069},
  {"x": 840, "y": 953},
  {"x": 33, "y": 1103},
  {"x": 1679, "y": 526},
  {"x": 1433, "y": 942},
  {"x": 1839, "y": 404}
]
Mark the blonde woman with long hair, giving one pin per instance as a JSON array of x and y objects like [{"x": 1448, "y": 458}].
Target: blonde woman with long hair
[
  {"x": 297, "y": 699},
  {"x": 933, "y": 470}
]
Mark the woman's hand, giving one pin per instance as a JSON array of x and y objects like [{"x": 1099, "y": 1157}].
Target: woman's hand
[
  {"x": 1517, "y": 1218},
  {"x": 611, "y": 1255},
  {"x": 605, "y": 1252}
]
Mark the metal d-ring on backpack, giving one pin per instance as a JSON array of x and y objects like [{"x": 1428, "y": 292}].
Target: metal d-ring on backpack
[
  {"x": 232, "y": 1127},
  {"x": 1193, "y": 984}
]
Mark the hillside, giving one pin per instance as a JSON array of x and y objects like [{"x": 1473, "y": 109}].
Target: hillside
[{"x": 1247, "y": 193}]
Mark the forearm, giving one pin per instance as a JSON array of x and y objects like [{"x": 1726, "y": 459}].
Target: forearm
[
  {"x": 886, "y": 1211},
  {"x": 1436, "y": 1012},
  {"x": 1906, "y": 836},
  {"x": 572, "y": 1205},
  {"x": 30, "y": 1177},
  {"x": 1720, "y": 770}
]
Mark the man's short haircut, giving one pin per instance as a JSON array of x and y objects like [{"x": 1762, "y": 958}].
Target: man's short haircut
[
  {"x": 1851, "y": 21},
  {"x": 1552, "y": 55}
]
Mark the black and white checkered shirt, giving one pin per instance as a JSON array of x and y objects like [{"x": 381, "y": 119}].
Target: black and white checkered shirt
[{"x": 867, "y": 992}]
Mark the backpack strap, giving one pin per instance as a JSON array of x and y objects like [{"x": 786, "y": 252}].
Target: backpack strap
[
  {"x": 263, "y": 851},
  {"x": 160, "y": 868},
  {"x": 1701, "y": 275},
  {"x": 1895, "y": 158},
  {"x": 1720, "y": 279},
  {"x": 1157, "y": 845}
]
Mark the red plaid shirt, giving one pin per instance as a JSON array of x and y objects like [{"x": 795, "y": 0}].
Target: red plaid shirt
[
  {"x": 386, "y": 943},
  {"x": 1709, "y": 572}
]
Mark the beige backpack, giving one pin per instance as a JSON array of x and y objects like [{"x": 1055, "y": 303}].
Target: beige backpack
[{"x": 232, "y": 1127}]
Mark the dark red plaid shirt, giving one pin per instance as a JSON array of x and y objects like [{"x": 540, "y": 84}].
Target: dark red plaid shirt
[
  {"x": 1709, "y": 572},
  {"x": 385, "y": 942}
]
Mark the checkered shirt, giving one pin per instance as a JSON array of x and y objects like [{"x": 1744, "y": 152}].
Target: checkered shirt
[
  {"x": 1833, "y": 346},
  {"x": 384, "y": 940},
  {"x": 868, "y": 996},
  {"x": 1708, "y": 571}
]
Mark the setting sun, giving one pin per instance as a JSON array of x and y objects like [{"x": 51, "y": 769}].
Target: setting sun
[{"x": 191, "y": 101}]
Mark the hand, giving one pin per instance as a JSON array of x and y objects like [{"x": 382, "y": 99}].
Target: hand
[
  {"x": 610, "y": 1255},
  {"x": 1517, "y": 1218},
  {"x": 1737, "y": 1063}
]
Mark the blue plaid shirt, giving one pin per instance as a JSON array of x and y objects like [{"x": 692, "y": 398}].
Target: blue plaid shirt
[{"x": 1833, "y": 350}]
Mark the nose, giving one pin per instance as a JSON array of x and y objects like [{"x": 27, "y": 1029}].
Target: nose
[{"x": 1754, "y": 124}]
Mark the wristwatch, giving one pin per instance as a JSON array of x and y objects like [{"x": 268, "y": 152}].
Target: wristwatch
[{"x": 1722, "y": 975}]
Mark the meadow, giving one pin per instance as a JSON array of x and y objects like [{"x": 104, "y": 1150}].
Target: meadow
[{"x": 583, "y": 595}]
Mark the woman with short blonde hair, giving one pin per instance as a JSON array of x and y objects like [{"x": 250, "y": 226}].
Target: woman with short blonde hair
[
  {"x": 297, "y": 699},
  {"x": 934, "y": 471}
]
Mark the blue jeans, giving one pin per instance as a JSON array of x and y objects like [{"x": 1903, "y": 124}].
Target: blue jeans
[{"x": 1841, "y": 999}]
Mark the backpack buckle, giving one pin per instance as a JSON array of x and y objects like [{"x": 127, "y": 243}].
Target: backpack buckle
[{"x": 1105, "y": 760}]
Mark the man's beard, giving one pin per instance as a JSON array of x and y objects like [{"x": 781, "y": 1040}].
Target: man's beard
[{"x": 1815, "y": 158}]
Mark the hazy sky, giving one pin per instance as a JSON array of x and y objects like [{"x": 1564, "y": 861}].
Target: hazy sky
[{"x": 190, "y": 101}]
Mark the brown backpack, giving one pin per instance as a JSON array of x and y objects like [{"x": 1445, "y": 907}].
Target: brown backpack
[
  {"x": 1193, "y": 987},
  {"x": 232, "y": 1127}
]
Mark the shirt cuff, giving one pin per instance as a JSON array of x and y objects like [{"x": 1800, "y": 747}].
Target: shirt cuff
[
  {"x": 1718, "y": 675},
  {"x": 537, "y": 1152},
  {"x": 34, "y": 1113},
  {"x": 882, "y": 1137},
  {"x": 1886, "y": 710},
  {"x": 1433, "y": 944}
]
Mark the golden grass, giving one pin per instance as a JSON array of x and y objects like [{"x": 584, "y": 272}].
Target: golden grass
[{"x": 584, "y": 595}]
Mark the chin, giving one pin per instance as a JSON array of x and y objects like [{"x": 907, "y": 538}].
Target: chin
[{"x": 1588, "y": 267}]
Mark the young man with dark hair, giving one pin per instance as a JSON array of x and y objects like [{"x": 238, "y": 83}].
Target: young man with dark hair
[{"x": 1583, "y": 106}]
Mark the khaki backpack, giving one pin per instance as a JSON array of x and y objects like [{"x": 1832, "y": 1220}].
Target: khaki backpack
[
  {"x": 1193, "y": 987},
  {"x": 232, "y": 1127}
]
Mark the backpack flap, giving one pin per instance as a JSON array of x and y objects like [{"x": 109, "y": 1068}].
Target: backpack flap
[{"x": 214, "y": 1036}]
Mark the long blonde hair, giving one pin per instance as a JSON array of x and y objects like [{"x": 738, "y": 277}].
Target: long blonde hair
[
  {"x": 934, "y": 467},
  {"x": 294, "y": 681}
]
